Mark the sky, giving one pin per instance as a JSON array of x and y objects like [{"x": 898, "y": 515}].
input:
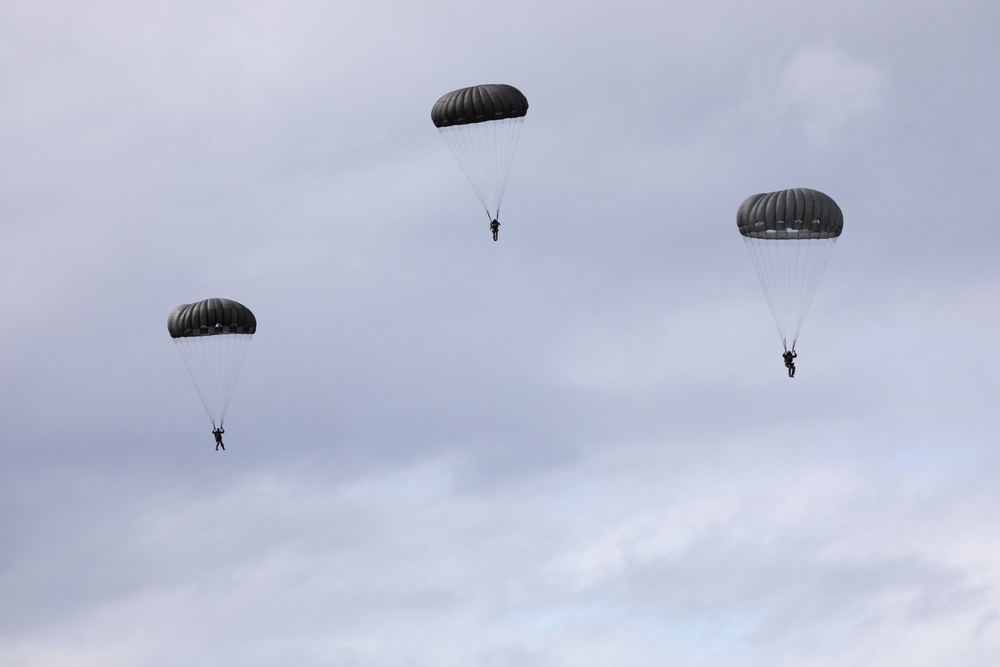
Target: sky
[{"x": 575, "y": 446}]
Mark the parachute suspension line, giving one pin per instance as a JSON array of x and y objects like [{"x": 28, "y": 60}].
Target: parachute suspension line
[
  {"x": 507, "y": 141},
  {"x": 798, "y": 287},
  {"x": 493, "y": 188},
  {"x": 214, "y": 363},
  {"x": 485, "y": 152},
  {"x": 761, "y": 257},
  {"x": 817, "y": 267},
  {"x": 237, "y": 354},
  {"x": 777, "y": 260},
  {"x": 191, "y": 351},
  {"x": 462, "y": 144},
  {"x": 790, "y": 271}
]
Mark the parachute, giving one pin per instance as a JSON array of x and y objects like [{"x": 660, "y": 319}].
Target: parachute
[
  {"x": 212, "y": 337},
  {"x": 790, "y": 235},
  {"x": 481, "y": 126}
]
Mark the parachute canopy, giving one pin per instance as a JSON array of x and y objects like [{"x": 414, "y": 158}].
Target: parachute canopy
[
  {"x": 212, "y": 337},
  {"x": 478, "y": 104},
  {"x": 211, "y": 317},
  {"x": 481, "y": 125},
  {"x": 790, "y": 235},
  {"x": 800, "y": 213}
]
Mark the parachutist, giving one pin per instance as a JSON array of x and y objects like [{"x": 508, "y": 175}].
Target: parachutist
[
  {"x": 481, "y": 125},
  {"x": 789, "y": 364},
  {"x": 789, "y": 235},
  {"x": 218, "y": 438},
  {"x": 212, "y": 337}
]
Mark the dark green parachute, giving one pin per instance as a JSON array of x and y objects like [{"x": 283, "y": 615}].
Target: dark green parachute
[
  {"x": 212, "y": 337},
  {"x": 790, "y": 235},
  {"x": 481, "y": 125}
]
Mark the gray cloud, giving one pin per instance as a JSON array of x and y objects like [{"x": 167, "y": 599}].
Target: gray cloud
[{"x": 574, "y": 446}]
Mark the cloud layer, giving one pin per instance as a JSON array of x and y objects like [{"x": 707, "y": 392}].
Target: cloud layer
[{"x": 576, "y": 445}]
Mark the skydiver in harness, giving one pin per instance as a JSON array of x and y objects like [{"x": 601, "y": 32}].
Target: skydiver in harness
[
  {"x": 495, "y": 228},
  {"x": 218, "y": 438},
  {"x": 789, "y": 364}
]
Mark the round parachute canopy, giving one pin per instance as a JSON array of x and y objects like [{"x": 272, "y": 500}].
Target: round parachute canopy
[
  {"x": 482, "y": 125},
  {"x": 800, "y": 213},
  {"x": 211, "y": 317},
  {"x": 212, "y": 337},
  {"x": 478, "y": 104},
  {"x": 790, "y": 236}
]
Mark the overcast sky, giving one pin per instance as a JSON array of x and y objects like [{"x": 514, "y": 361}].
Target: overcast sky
[{"x": 574, "y": 447}]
